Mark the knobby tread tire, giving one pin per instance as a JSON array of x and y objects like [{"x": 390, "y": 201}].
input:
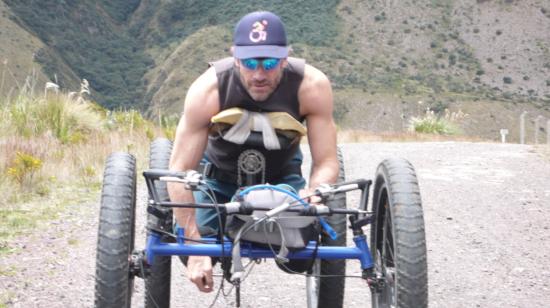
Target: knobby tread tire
[
  {"x": 113, "y": 284},
  {"x": 157, "y": 284},
  {"x": 331, "y": 289},
  {"x": 397, "y": 184}
]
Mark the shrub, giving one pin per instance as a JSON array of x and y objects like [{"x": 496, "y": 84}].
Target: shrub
[
  {"x": 23, "y": 168},
  {"x": 169, "y": 125},
  {"x": 430, "y": 123},
  {"x": 452, "y": 59},
  {"x": 58, "y": 115}
]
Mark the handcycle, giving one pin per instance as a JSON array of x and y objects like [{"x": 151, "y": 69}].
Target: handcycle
[{"x": 394, "y": 265}]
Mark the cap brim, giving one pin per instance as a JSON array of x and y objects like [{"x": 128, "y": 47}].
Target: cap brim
[{"x": 264, "y": 51}]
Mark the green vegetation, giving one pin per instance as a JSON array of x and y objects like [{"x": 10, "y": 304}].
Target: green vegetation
[
  {"x": 120, "y": 10},
  {"x": 23, "y": 168},
  {"x": 94, "y": 49},
  {"x": 311, "y": 22},
  {"x": 432, "y": 123},
  {"x": 52, "y": 150},
  {"x": 360, "y": 47}
]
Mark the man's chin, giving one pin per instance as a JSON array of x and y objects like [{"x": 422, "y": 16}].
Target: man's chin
[{"x": 259, "y": 96}]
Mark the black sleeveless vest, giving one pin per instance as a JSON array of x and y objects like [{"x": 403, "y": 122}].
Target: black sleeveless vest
[{"x": 224, "y": 154}]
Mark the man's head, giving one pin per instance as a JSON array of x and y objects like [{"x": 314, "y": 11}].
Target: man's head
[{"x": 260, "y": 50}]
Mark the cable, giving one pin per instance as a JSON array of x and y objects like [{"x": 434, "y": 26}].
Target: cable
[
  {"x": 222, "y": 291},
  {"x": 214, "y": 200},
  {"x": 149, "y": 294},
  {"x": 276, "y": 188}
]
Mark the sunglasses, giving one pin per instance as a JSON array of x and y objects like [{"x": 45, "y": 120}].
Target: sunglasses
[{"x": 267, "y": 63}]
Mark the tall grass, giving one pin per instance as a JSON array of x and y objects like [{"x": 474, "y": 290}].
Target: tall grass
[
  {"x": 432, "y": 123},
  {"x": 54, "y": 144}
]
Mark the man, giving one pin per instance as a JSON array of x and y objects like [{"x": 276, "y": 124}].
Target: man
[{"x": 264, "y": 83}]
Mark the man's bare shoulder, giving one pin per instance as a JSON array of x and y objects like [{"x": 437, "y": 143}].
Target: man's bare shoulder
[
  {"x": 206, "y": 83},
  {"x": 203, "y": 93},
  {"x": 314, "y": 78},
  {"x": 315, "y": 93}
]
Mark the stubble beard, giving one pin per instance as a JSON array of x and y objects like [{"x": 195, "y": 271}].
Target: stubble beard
[{"x": 260, "y": 96}]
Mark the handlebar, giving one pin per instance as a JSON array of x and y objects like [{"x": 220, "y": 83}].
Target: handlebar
[{"x": 192, "y": 179}]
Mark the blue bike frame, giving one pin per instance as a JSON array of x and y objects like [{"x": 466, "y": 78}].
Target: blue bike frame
[
  {"x": 211, "y": 247},
  {"x": 155, "y": 247}
]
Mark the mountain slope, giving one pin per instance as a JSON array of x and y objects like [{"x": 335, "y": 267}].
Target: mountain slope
[
  {"x": 18, "y": 48},
  {"x": 92, "y": 40},
  {"x": 381, "y": 56}
]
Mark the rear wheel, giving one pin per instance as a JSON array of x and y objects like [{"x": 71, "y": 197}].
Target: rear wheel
[
  {"x": 157, "y": 284},
  {"x": 328, "y": 291},
  {"x": 113, "y": 281},
  {"x": 398, "y": 243}
]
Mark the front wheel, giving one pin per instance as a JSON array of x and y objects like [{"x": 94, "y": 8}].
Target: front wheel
[
  {"x": 398, "y": 241},
  {"x": 326, "y": 283},
  {"x": 115, "y": 240},
  {"x": 157, "y": 284}
]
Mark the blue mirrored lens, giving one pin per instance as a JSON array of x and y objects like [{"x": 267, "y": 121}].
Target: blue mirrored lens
[
  {"x": 251, "y": 64},
  {"x": 268, "y": 64}
]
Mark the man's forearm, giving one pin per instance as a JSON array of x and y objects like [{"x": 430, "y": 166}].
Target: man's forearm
[
  {"x": 185, "y": 217},
  {"x": 326, "y": 173}
]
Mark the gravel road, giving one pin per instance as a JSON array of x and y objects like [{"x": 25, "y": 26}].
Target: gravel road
[{"x": 487, "y": 215}]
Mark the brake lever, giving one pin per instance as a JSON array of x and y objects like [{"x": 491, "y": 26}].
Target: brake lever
[{"x": 191, "y": 179}]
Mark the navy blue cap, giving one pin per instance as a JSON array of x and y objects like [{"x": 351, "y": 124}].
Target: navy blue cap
[{"x": 260, "y": 35}]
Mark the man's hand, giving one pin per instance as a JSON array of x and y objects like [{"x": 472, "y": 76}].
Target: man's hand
[
  {"x": 307, "y": 195},
  {"x": 200, "y": 272}
]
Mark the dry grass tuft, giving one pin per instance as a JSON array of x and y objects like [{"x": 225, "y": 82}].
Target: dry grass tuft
[
  {"x": 66, "y": 139},
  {"x": 359, "y": 136}
]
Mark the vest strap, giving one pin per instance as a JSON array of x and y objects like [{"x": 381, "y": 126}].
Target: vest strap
[{"x": 211, "y": 171}]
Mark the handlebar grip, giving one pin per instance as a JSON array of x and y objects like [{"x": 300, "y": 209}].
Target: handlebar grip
[{"x": 333, "y": 235}]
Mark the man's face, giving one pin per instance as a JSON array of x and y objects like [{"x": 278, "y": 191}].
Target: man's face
[{"x": 260, "y": 83}]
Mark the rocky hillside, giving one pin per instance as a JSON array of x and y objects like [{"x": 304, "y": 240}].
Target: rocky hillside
[{"x": 383, "y": 57}]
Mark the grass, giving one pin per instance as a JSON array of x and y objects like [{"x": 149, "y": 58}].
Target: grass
[
  {"x": 53, "y": 148},
  {"x": 5, "y": 298},
  {"x": 9, "y": 271},
  {"x": 432, "y": 123},
  {"x": 359, "y": 136}
]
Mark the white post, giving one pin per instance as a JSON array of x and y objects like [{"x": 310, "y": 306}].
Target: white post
[
  {"x": 522, "y": 127},
  {"x": 503, "y": 133},
  {"x": 548, "y": 132}
]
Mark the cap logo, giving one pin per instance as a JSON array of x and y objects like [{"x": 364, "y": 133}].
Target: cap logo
[{"x": 258, "y": 32}]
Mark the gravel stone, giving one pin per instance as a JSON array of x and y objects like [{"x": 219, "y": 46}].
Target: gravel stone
[{"x": 486, "y": 209}]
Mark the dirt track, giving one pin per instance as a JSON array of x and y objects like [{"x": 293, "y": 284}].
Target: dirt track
[{"x": 487, "y": 214}]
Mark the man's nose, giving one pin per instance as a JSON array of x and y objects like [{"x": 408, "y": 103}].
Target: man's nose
[{"x": 260, "y": 73}]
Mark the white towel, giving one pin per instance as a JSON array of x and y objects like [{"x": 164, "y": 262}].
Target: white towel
[{"x": 253, "y": 121}]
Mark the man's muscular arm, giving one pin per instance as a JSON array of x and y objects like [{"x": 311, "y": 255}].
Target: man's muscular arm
[
  {"x": 201, "y": 103},
  {"x": 316, "y": 104}
]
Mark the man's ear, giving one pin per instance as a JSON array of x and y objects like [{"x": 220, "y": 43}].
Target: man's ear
[
  {"x": 284, "y": 63},
  {"x": 232, "y": 50}
]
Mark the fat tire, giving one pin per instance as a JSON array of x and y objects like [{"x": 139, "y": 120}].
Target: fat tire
[
  {"x": 157, "y": 283},
  {"x": 331, "y": 289},
  {"x": 115, "y": 243},
  {"x": 396, "y": 197}
]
